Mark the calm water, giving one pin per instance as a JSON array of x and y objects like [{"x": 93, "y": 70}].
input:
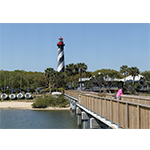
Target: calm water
[{"x": 31, "y": 119}]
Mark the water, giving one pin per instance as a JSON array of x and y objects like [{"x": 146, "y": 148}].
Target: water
[{"x": 33, "y": 119}]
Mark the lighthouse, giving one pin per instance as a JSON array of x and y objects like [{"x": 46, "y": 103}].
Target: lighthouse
[{"x": 60, "y": 60}]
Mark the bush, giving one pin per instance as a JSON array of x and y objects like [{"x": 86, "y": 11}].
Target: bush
[
  {"x": 40, "y": 103},
  {"x": 61, "y": 101},
  {"x": 43, "y": 102}
]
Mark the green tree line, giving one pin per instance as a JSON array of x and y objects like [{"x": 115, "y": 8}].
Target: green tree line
[
  {"x": 52, "y": 80},
  {"x": 20, "y": 78}
]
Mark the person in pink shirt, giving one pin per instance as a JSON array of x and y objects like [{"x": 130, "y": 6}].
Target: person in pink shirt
[{"x": 118, "y": 96}]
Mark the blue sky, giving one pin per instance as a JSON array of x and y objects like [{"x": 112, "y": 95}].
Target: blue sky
[{"x": 33, "y": 47}]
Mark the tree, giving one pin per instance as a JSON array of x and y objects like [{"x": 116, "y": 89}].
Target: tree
[
  {"x": 145, "y": 81},
  {"x": 13, "y": 79},
  {"x": 71, "y": 70},
  {"x": 146, "y": 75},
  {"x": 88, "y": 74},
  {"x": 57, "y": 78},
  {"x": 82, "y": 67},
  {"x": 42, "y": 80},
  {"x": 124, "y": 71},
  {"x": 103, "y": 80},
  {"x": 109, "y": 72},
  {"x": 49, "y": 72},
  {"x": 133, "y": 71}
]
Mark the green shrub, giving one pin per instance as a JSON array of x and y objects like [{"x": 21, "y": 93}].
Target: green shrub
[
  {"x": 40, "y": 103},
  {"x": 43, "y": 102}
]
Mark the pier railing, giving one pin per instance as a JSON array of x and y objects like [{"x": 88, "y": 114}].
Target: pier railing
[
  {"x": 123, "y": 113},
  {"x": 72, "y": 93},
  {"x": 129, "y": 98}
]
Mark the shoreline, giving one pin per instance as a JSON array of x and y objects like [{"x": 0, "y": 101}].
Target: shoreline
[{"x": 26, "y": 105}]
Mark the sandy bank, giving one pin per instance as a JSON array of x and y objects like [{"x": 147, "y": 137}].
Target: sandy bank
[{"x": 25, "y": 105}]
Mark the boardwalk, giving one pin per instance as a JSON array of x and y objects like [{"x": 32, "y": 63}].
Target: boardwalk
[{"x": 124, "y": 114}]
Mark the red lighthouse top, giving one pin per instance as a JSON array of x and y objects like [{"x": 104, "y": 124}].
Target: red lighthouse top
[{"x": 60, "y": 42}]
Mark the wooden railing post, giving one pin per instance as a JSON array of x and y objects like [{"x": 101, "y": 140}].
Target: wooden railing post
[
  {"x": 138, "y": 117},
  {"x": 118, "y": 117},
  {"x": 101, "y": 106},
  {"x": 79, "y": 97},
  {"x": 127, "y": 116},
  {"x": 92, "y": 104},
  {"x": 88, "y": 102},
  {"x": 96, "y": 104},
  {"x": 105, "y": 110},
  {"x": 84, "y": 100},
  {"x": 111, "y": 111}
]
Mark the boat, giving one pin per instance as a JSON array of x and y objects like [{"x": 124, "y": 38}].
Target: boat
[
  {"x": 28, "y": 95},
  {"x": 20, "y": 96},
  {"x": 12, "y": 96},
  {"x": 4, "y": 96}
]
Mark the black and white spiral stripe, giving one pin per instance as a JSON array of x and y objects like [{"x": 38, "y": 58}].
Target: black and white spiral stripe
[{"x": 60, "y": 60}]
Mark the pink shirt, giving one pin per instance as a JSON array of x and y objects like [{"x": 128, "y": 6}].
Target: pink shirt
[{"x": 119, "y": 93}]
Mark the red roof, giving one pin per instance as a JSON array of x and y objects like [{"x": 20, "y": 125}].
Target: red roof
[
  {"x": 60, "y": 38},
  {"x": 60, "y": 43}
]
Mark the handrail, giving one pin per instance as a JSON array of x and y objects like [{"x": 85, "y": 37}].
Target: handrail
[{"x": 121, "y": 101}]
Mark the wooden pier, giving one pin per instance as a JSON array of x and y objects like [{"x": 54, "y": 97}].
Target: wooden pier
[{"x": 115, "y": 113}]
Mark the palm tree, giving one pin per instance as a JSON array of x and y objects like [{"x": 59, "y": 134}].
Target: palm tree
[
  {"x": 48, "y": 74},
  {"x": 124, "y": 71},
  {"x": 82, "y": 67},
  {"x": 133, "y": 71},
  {"x": 71, "y": 70},
  {"x": 57, "y": 78}
]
